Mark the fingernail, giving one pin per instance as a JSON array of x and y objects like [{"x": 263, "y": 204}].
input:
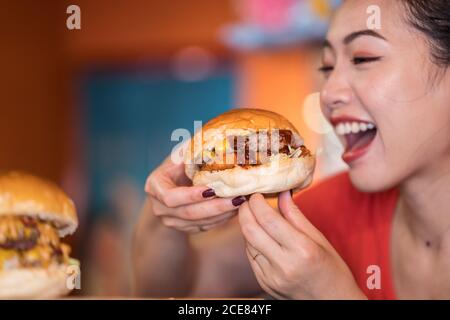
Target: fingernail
[
  {"x": 208, "y": 193},
  {"x": 238, "y": 201}
]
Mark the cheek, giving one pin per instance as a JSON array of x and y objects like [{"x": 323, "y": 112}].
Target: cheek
[
  {"x": 386, "y": 86},
  {"x": 381, "y": 94},
  {"x": 380, "y": 170},
  {"x": 325, "y": 111},
  {"x": 398, "y": 104},
  {"x": 403, "y": 106},
  {"x": 396, "y": 99}
]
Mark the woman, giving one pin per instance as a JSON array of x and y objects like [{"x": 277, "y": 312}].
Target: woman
[{"x": 380, "y": 231}]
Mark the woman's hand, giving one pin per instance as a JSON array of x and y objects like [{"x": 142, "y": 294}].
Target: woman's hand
[
  {"x": 289, "y": 256},
  {"x": 185, "y": 207}
]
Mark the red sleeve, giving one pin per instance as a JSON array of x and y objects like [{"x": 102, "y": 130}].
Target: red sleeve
[{"x": 357, "y": 224}]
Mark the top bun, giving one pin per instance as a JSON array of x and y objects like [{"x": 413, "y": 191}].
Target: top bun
[
  {"x": 252, "y": 119},
  {"x": 25, "y": 194}
]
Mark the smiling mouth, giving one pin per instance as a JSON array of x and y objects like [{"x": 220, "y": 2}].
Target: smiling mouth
[{"x": 358, "y": 136}]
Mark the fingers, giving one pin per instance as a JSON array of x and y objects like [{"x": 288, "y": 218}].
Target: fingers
[
  {"x": 226, "y": 218},
  {"x": 174, "y": 172},
  {"x": 257, "y": 257},
  {"x": 181, "y": 196},
  {"x": 197, "y": 211},
  {"x": 295, "y": 217},
  {"x": 166, "y": 191},
  {"x": 185, "y": 207},
  {"x": 257, "y": 260},
  {"x": 181, "y": 224},
  {"x": 262, "y": 269},
  {"x": 272, "y": 222},
  {"x": 255, "y": 234},
  {"x": 197, "y": 226},
  {"x": 168, "y": 184}
]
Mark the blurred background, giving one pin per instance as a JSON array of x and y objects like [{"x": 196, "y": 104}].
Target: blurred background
[{"x": 93, "y": 108}]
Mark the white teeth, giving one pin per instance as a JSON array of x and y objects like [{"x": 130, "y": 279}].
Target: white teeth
[
  {"x": 340, "y": 129},
  {"x": 348, "y": 128},
  {"x": 363, "y": 127},
  {"x": 344, "y": 128}
]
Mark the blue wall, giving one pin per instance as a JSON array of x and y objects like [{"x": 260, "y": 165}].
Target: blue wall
[{"x": 130, "y": 119}]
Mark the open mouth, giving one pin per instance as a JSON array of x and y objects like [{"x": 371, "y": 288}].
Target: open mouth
[{"x": 358, "y": 135}]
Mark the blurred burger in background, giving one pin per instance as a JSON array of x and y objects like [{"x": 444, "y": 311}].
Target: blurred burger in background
[
  {"x": 34, "y": 215},
  {"x": 245, "y": 151}
]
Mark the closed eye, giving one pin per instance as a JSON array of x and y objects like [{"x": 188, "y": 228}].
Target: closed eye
[
  {"x": 357, "y": 60},
  {"x": 361, "y": 60},
  {"x": 325, "y": 69}
]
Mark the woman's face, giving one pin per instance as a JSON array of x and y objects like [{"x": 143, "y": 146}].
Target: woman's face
[{"x": 384, "y": 78}]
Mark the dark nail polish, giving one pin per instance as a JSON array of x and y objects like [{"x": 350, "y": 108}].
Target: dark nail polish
[
  {"x": 238, "y": 201},
  {"x": 208, "y": 193}
]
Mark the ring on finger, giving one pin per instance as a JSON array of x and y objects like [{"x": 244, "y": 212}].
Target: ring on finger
[{"x": 256, "y": 255}]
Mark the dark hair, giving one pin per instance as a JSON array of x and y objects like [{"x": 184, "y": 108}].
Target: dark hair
[{"x": 432, "y": 18}]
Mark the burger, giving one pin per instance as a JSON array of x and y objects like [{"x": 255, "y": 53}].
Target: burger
[
  {"x": 34, "y": 215},
  {"x": 245, "y": 151}
]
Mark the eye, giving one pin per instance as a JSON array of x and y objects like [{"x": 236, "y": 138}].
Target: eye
[
  {"x": 325, "y": 69},
  {"x": 361, "y": 60}
]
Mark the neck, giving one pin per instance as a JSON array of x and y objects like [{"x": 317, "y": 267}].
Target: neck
[{"x": 425, "y": 204}]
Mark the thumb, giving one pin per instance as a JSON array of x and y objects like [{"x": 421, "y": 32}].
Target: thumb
[
  {"x": 293, "y": 215},
  {"x": 167, "y": 176}
]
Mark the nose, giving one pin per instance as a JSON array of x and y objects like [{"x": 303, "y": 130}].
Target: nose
[{"x": 336, "y": 92}]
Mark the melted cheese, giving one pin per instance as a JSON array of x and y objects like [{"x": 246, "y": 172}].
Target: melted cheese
[
  {"x": 12, "y": 228},
  {"x": 7, "y": 255},
  {"x": 39, "y": 255}
]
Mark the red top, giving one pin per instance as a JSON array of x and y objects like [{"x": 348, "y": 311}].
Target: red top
[{"x": 358, "y": 225}]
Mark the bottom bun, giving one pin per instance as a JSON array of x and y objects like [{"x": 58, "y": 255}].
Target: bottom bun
[
  {"x": 280, "y": 174},
  {"x": 33, "y": 283}
]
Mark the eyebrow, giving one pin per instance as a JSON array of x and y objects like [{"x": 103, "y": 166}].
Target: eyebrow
[{"x": 352, "y": 36}]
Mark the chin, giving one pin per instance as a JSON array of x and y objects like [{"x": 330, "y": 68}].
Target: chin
[{"x": 371, "y": 179}]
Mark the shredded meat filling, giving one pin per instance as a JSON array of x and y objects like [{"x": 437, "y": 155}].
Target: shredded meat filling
[{"x": 251, "y": 157}]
